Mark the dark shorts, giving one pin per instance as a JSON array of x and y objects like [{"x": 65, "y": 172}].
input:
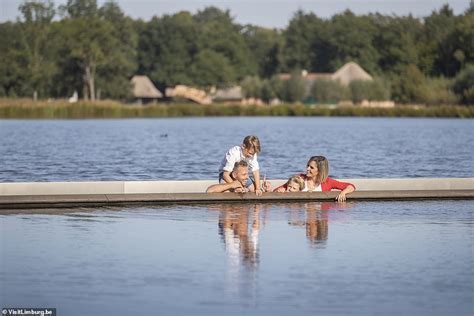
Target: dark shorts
[{"x": 250, "y": 180}]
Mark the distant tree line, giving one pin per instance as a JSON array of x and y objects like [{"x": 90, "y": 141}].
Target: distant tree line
[{"x": 53, "y": 51}]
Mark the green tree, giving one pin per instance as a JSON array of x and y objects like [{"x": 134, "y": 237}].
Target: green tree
[
  {"x": 36, "y": 29},
  {"x": 462, "y": 39},
  {"x": 437, "y": 49},
  {"x": 89, "y": 41},
  {"x": 113, "y": 77},
  {"x": 79, "y": 8},
  {"x": 396, "y": 41},
  {"x": 328, "y": 91},
  {"x": 220, "y": 34},
  {"x": 252, "y": 87},
  {"x": 302, "y": 38},
  {"x": 294, "y": 89},
  {"x": 211, "y": 68},
  {"x": 374, "y": 90},
  {"x": 351, "y": 39},
  {"x": 463, "y": 85},
  {"x": 167, "y": 47},
  {"x": 14, "y": 64},
  {"x": 265, "y": 46},
  {"x": 409, "y": 86}
]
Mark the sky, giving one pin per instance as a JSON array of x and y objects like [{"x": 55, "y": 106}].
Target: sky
[{"x": 267, "y": 13}]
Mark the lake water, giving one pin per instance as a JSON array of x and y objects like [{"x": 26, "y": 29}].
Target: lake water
[
  {"x": 359, "y": 258},
  {"x": 362, "y": 258},
  {"x": 192, "y": 148}
]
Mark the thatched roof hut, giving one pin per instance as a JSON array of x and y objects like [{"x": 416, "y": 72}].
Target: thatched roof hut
[
  {"x": 350, "y": 72},
  {"x": 144, "y": 89},
  {"x": 347, "y": 73}
]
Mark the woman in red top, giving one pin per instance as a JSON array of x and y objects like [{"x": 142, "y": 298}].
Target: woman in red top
[{"x": 316, "y": 179}]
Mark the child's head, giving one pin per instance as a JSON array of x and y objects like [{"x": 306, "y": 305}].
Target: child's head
[
  {"x": 295, "y": 184},
  {"x": 251, "y": 146},
  {"x": 318, "y": 167}
]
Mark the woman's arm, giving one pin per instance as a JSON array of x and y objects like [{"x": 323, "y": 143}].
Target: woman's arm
[
  {"x": 345, "y": 188},
  {"x": 341, "y": 197}
]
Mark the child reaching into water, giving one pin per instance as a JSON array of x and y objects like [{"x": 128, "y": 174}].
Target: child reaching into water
[{"x": 248, "y": 152}]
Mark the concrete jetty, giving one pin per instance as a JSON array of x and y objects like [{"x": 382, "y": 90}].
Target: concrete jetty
[{"x": 108, "y": 193}]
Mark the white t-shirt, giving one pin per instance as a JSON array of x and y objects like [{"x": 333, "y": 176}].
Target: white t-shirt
[
  {"x": 234, "y": 155},
  {"x": 316, "y": 189}
]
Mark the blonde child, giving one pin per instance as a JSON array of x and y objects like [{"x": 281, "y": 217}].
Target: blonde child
[{"x": 248, "y": 151}]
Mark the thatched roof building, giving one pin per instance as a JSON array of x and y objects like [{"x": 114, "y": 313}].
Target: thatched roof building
[
  {"x": 347, "y": 73},
  {"x": 350, "y": 72},
  {"x": 144, "y": 90}
]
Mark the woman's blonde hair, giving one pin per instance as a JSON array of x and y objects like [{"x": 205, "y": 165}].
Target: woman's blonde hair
[
  {"x": 298, "y": 180},
  {"x": 323, "y": 168}
]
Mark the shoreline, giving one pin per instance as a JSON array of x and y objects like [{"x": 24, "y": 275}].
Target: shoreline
[{"x": 27, "y": 109}]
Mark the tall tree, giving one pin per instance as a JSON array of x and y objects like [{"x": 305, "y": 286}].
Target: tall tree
[
  {"x": 437, "y": 50},
  {"x": 14, "y": 64},
  {"x": 113, "y": 77},
  {"x": 36, "y": 28},
  {"x": 222, "y": 35},
  {"x": 90, "y": 40},
  {"x": 397, "y": 41},
  {"x": 265, "y": 46},
  {"x": 167, "y": 47},
  {"x": 463, "y": 41},
  {"x": 351, "y": 39},
  {"x": 302, "y": 39}
]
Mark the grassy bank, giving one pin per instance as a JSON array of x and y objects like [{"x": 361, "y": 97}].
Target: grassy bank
[{"x": 27, "y": 109}]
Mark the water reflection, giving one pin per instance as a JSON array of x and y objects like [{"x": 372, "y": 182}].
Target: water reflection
[
  {"x": 239, "y": 229},
  {"x": 314, "y": 217},
  {"x": 240, "y": 226}
]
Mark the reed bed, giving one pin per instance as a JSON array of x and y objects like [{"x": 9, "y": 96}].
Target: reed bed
[{"x": 27, "y": 109}]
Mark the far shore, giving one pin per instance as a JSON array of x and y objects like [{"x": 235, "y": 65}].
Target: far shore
[{"x": 61, "y": 109}]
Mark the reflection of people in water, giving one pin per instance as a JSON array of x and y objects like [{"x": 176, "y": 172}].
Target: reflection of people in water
[
  {"x": 317, "y": 222},
  {"x": 316, "y": 218},
  {"x": 239, "y": 228}
]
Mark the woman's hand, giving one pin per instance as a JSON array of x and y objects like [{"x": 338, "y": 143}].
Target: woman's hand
[
  {"x": 281, "y": 190},
  {"x": 341, "y": 197}
]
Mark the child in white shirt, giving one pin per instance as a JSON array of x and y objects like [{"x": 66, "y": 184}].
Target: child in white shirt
[{"x": 248, "y": 152}]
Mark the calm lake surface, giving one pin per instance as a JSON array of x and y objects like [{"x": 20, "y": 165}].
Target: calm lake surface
[
  {"x": 362, "y": 258},
  {"x": 192, "y": 148},
  {"x": 358, "y": 258}
]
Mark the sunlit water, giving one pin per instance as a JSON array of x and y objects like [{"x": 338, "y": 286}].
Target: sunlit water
[
  {"x": 361, "y": 258},
  {"x": 192, "y": 148}
]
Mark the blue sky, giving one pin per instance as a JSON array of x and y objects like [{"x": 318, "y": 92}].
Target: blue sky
[{"x": 268, "y": 13}]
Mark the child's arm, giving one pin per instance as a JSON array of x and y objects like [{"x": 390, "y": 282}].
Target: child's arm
[
  {"x": 227, "y": 177},
  {"x": 256, "y": 177}
]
